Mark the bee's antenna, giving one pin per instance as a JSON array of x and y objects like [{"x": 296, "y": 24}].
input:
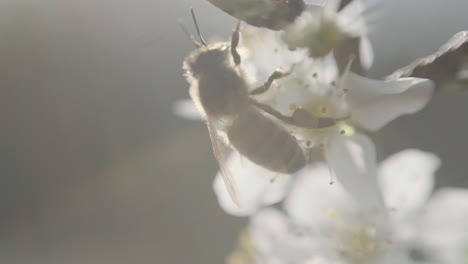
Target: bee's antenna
[
  {"x": 197, "y": 28},
  {"x": 187, "y": 33}
]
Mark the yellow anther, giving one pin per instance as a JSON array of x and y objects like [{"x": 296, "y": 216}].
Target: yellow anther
[
  {"x": 332, "y": 214},
  {"x": 346, "y": 129}
]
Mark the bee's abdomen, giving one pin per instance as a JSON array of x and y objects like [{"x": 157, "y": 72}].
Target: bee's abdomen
[{"x": 265, "y": 143}]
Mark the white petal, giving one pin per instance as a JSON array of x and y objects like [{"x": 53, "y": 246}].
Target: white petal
[
  {"x": 307, "y": 85},
  {"x": 264, "y": 53},
  {"x": 374, "y": 103},
  {"x": 254, "y": 186},
  {"x": 407, "y": 179},
  {"x": 351, "y": 19},
  {"x": 265, "y": 226},
  {"x": 313, "y": 201},
  {"x": 366, "y": 53},
  {"x": 186, "y": 109},
  {"x": 326, "y": 68},
  {"x": 445, "y": 224},
  {"x": 353, "y": 161},
  {"x": 275, "y": 236}
]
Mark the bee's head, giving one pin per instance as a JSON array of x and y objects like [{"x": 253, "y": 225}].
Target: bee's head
[{"x": 206, "y": 60}]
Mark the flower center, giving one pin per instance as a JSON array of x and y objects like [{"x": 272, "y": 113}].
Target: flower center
[
  {"x": 245, "y": 251},
  {"x": 315, "y": 30},
  {"x": 360, "y": 245},
  {"x": 355, "y": 241},
  {"x": 313, "y": 94},
  {"x": 326, "y": 102},
  {"x": 326, "y": 38}
]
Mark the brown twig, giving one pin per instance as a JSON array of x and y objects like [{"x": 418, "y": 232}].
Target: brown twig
[
  {"x": 344, "y": 3},
  {"x": 443, "y": 66}
]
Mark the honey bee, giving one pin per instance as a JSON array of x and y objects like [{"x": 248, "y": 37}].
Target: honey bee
[
  {"x": 223, "y": 95},
  {"x": 272, "y": 14}
]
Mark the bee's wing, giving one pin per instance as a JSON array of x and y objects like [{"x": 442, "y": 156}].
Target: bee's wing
[{"x": 219, "y": 155}]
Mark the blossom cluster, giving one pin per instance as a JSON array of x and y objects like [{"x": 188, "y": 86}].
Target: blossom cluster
[{"x": 371, "y": 213}]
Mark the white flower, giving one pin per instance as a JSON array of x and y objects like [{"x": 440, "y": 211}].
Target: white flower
[
  {"x": 443, "y": 226},
  {"x": 324, "y": 222},
  {"x": 321, "y": 28},
  {"x": 315, "y": 86}
]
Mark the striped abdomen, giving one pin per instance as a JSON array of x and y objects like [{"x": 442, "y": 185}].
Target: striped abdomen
[{"x": 265, "y": 143}]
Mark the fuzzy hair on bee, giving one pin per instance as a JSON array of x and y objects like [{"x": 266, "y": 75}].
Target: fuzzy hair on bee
[{"x": 224, "y": 89}]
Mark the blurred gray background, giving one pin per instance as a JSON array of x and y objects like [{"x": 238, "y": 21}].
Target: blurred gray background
[{"x": 95, "y": 168}]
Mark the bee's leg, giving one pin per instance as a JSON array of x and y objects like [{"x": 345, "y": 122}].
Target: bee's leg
[
  {"x": 270, "y": 110},
  {"x": 300, "y": 117},
  {"x": 304, "y": 118},
  {"x": 277, "y": 74},
  {"x": 234, "y": 43}
]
